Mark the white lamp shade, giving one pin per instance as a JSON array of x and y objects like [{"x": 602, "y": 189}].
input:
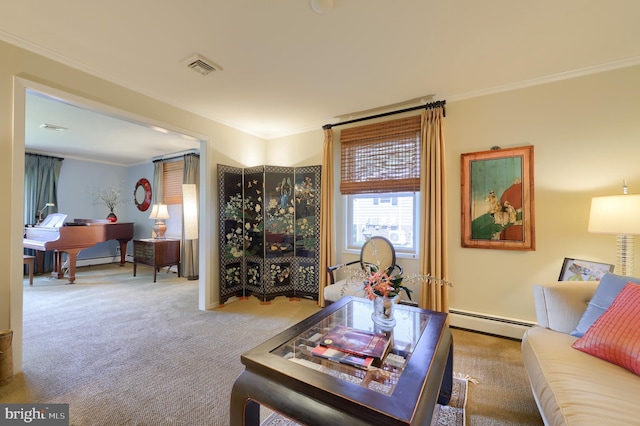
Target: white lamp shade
[
  {"x": 163, "y": 211},
  {"x": 154, "y": 212},
  {"x": 190, "y": 211},
  {"x": 159, "y": 211},
  {"x": 615, "y": 214}
]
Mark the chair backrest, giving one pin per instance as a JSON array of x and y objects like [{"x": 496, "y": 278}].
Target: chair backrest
[{"x": 378, "y": 251}]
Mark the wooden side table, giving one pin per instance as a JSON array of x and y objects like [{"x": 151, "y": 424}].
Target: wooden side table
[{"x": 157, "y": 253}]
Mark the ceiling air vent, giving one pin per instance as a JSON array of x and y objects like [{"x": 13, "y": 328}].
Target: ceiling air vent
[{"x": 201, "y": 65}]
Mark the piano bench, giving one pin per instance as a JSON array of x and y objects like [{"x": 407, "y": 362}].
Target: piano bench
[{"x": 30, "y": 261}]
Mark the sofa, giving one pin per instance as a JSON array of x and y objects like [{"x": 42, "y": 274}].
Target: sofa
[{"x": 570, "y": 386}]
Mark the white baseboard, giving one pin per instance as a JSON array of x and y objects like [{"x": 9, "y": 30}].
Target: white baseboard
[
  {"x": 501, "y": 326},
  {"x": 102, "y": 260}
]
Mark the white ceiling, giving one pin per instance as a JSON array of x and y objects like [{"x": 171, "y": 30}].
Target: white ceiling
[
  {"x": 286, "y": 69},
  {"x": 95, "y": 136}
]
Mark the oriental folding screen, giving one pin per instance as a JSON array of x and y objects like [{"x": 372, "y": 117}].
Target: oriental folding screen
[{"x": 269, "y": 231}]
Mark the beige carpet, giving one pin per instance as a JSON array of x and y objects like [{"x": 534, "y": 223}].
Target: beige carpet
[
  {"x": 443, "y": 415},
  {"x": 125, "y": 351},
  {"x": 499, "y": 392}
]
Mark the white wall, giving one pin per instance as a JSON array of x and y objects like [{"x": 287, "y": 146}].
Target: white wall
[
  {"x": 586, "y": 133},
  {"x": 20, "y": 69},
  {"x": 586, "y": 137}
]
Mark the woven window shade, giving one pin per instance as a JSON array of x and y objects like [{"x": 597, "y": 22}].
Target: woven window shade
[
  {"x": 381, "y": 157},
  {"x": 172, "y": 181}
]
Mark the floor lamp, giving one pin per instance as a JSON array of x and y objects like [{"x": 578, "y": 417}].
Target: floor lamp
[
  {"x": 190, "y": 226},
  {"x": 619, "y": 215}
]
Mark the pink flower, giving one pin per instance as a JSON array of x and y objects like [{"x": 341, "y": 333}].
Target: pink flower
[{"x": 379, "y": 283}]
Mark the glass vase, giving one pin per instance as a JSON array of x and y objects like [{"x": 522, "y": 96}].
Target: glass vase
[
  {"x": 111, "y": 217},
  {"x": 383, "y": 308}
]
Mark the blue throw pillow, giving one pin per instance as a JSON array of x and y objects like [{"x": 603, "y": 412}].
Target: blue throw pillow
[{"x": 608, "y": 288}]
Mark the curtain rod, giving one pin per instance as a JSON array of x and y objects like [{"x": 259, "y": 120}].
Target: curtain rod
[
  {"x": 176, "y": 155},
  {"x": 44, "y": 155},
  {"x": 430, "y": 105}
]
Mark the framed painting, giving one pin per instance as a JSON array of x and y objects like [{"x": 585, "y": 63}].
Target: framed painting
[
  {"x": 498, "y": 199},
  {"x": 583, "y": 270}
]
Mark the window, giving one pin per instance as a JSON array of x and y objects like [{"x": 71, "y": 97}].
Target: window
[
  {"x": 390, "y": 215},
  {"x": 380, "y": 175},
  {"x": 172, "y": 181}
]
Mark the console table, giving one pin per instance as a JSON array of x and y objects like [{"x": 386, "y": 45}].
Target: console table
[
  {"x": 283, "y": 375},
  {"x": 157, "y": 253}
]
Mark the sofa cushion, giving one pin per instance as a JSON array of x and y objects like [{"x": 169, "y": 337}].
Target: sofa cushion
[
  {"x": 574, "y": 388},
  {"x": 615, "y": 336},
  {"x": 609, "y": 287},
  {"x": 560, "y": 305},
  {"x": 344, "y": 287}
]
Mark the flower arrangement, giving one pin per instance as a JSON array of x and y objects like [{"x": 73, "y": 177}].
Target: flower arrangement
[
  {"x": 109, "y": 197},
  {"x": 380, "y": 284}
]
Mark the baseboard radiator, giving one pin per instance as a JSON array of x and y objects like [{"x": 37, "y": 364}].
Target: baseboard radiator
[
  {"x": 501, "y": 326},
  {"x": 100, "y": 260}
]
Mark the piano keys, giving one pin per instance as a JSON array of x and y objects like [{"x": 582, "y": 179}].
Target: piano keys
[{"x": 71, "y": 238}]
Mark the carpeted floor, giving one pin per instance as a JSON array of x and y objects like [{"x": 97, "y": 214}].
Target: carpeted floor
[
  {"x": 499, "y": 392},
  {"x": 452, "y": 414},
  {"x": 125, "y": 351}
]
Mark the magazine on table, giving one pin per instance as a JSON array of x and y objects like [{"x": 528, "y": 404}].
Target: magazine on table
[
  {"x": 342, "y": 357},
  {"x": 358, "y": 342}
]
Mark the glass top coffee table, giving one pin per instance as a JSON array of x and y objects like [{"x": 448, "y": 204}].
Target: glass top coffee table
[{"x": 401, "y": 389}]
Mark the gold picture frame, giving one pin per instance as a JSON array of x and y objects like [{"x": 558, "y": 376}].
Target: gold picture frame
[{"x": 498, "y": 199}]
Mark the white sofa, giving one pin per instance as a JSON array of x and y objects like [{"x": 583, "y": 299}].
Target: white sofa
[{"x": 571, "y": 387}]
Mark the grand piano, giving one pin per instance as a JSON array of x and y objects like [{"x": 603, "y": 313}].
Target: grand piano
[{"x": 54, "y": 234}]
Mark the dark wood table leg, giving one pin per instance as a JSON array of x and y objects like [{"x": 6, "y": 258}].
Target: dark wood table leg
[{"x": 446, "y": 389}]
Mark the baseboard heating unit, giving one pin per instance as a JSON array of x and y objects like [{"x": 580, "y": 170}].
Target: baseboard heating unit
[{"x": 501, "y": 326}]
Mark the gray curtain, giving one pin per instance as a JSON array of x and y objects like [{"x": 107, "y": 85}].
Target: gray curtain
[
  {"x": 41, "y": 175},
  {"x": 157, "y": 190},
  {"x": 189, "y": 255}
]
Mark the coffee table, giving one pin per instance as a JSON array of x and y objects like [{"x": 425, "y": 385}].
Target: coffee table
[{"x": 284, "y": 376}]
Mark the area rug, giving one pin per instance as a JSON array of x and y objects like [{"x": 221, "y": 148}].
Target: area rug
[{"x": 443, "y": 415}]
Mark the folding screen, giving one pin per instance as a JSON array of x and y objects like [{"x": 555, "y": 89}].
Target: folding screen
[{"x": 269, "y": 231}]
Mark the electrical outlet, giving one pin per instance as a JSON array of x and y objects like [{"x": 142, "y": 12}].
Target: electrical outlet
[{"x": 118, "y": 251}]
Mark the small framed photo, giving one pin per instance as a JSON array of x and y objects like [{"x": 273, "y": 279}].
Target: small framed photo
[{"x": 583, "y": 270}]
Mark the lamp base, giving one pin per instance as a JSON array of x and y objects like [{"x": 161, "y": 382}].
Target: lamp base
[
  {"x": 624, "y": 255},
  {"x": 159, "y": 228}
]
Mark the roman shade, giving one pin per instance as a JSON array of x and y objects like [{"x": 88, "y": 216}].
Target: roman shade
[{"x": 381, "y": 157}]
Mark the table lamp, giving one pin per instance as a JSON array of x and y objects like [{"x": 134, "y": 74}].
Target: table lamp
[
  {"x": 619, "y": 215},
  {"x": 159, "y": 212},
  {"x": 40, "y": 217}
]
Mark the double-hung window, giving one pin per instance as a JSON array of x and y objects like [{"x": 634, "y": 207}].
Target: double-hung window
[{"x": 380, "y": 176}]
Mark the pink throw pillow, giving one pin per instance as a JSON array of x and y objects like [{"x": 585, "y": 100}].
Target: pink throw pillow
[{"x": 615, "y": 336}]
